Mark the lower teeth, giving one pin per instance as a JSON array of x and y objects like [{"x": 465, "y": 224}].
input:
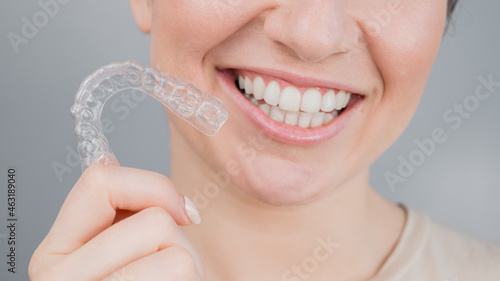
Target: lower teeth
[{"x": 296, "y": 118}]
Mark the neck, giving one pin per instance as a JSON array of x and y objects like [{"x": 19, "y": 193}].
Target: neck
[{"x": 241, "y": 238}]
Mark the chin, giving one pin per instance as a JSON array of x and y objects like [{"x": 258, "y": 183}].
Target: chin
[{"x": 279, "y": 182}]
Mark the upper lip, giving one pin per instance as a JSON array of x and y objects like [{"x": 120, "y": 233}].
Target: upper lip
[{"x": 298, "y": 80}]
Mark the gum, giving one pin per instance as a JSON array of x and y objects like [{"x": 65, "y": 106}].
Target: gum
[{"x": 203, "y": 111}]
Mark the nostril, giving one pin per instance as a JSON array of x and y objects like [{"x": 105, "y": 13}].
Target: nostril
[{"x": 309, "y": 56}]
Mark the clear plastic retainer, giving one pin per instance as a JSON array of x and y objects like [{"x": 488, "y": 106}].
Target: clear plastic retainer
[{"x": 205, "y": 112}]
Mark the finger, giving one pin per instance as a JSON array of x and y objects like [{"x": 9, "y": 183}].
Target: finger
[
  {"x": 91, "y": 205},
  {"x": 174, "y": 263},
  {"x": 138, "y": 236}
]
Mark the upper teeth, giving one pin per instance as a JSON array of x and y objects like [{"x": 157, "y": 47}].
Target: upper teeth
[
  {"x": 290, "y": 97},
  {"x": 290, "y": 106}
]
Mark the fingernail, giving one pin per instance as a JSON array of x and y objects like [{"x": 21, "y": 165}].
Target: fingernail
[{"x": 191, "y": 211}]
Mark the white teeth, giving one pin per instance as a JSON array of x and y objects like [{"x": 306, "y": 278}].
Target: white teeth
[
  {"x": 290, "y": 99},
  {"x": 317, "y": 119},
  {"x": 258, "y": 88},
  {"x": 266, "y": 108},
  {"x": 241, "y": 82},
  {"x": 328, "y": 101},
  {"x": 253, "y": 100},
  {"x": 272, "y": 93},
  {"x": 339, "y": 100},
  {"x": 328, "y": 117},
  {"x": 311, "y": 101},
  {"x": 292, "y": 117},
  {"x": 308, "y": 110},
  {"x": 346, "y": 100},
  {"x": 305, "y": 119},
  {"x": 248, "y": 85},
  {"x": 277, "y": 114}
]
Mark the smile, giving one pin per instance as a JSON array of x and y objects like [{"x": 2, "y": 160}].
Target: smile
[
  {"x": 302, "y": 115},
  {"x": 303, "y": 107}
]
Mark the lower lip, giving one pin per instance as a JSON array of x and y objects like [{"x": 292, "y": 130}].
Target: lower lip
[{"x": 284, "y": 132}]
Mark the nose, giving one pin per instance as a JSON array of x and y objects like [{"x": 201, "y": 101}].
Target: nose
[{"x": 312, "y": 29}]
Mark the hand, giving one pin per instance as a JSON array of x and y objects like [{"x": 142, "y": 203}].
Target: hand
[{"x": 118, "y": 224}]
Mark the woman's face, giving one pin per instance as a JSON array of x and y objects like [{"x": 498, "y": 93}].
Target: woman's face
[{"x": 297, "y": 54}]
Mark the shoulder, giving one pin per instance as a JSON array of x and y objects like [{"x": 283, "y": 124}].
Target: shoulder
[
  {"x": 469, "y": 257},
  {"x": 431, "y": 251},
  {"x": 454, "y": 256}
]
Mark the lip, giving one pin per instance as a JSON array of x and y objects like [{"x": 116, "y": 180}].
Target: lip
[{"x": 284, "y": 132}]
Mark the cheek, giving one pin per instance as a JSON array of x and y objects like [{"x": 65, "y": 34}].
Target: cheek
[
  {"x": 404, "y": 51},
  {"x": 184, "y": 31},
  {"x": 175, "y": 35}
]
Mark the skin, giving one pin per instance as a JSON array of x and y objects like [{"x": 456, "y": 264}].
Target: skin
[{"x": 268, "y": 213}]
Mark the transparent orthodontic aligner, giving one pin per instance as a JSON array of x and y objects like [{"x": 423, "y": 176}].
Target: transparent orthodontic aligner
[{"x": 205, "y": 112}]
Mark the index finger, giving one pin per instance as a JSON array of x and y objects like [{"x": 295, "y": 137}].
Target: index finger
[{"x": 91, "y": 205}]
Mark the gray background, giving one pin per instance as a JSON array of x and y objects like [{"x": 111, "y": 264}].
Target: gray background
[{"x": 458, "y": 185}]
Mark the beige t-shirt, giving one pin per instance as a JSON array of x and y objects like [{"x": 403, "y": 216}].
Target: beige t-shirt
[{"x": 428, "y": 251}]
